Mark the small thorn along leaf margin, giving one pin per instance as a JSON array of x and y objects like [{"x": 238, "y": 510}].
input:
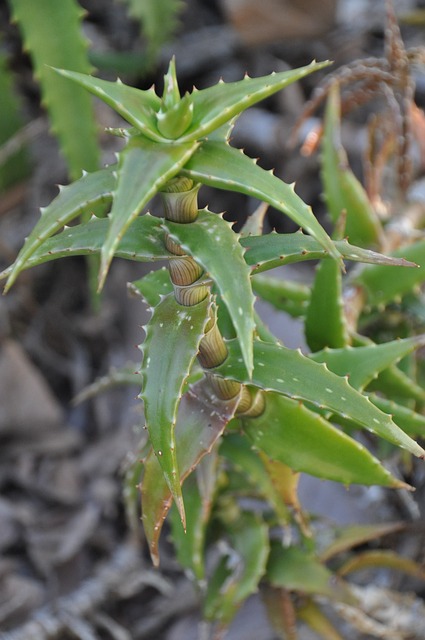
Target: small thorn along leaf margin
[{"x": 172, "y": 340}]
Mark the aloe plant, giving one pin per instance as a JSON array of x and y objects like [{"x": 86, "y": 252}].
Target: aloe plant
[{"x": 221, "y": 395}]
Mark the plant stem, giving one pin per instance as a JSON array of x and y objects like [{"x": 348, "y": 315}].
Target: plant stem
[{"x": 180, "y": 199}]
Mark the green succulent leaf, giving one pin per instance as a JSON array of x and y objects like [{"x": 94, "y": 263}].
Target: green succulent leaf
[
  {"x": 134, "y": 105},
  {"x": 276, "y": 249},
  {"x": 211, "y": 241},
  {"x": 342, "y": 190},
  {"x": 410, "y": 421},
  {"x": 144, "y": 244},
  {"x": 52, "y": 34},
  {"x": 216, "y": 105},
  {"x": 241, "y": 455},
  {"x": 200, "y": 422},
  {"x": 383, "y": 285},
  {"x": 189, "y": 544},
  {"x": 289, "y": 432},
  {"x": 144, "y": 166},
  {"x": 313, "y": 616},
  {"x": 285, "y": 295},
  {"x": 238, "y": 573},
  {"x": 394, "y": 383},
  {"x": 292, "y": 374},
  {"x": 325, "y": 322},
  {"x": 382, "y": 558},
  {"x": 153, "y": 286},
  {"x": 72, "y": 201},
  {"x": 219, "y": 165},
  {"x": 172, "y": 341},
  {"x": 294, "y": 569},
  {"x": 362, "y": 364},
  {"x": 351, "y": 536}
]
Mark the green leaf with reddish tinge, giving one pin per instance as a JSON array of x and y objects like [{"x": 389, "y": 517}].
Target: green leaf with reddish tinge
[
  {"x": 144, "y": 244},
  {"x": 314, "y": 617},
  {"x": 219, "y": 165},
  {"x": 201, "y": 420},
  {"x": 216, "y": 105},
  {"x": 342, "y": 191},
  {"x": 351, "y": 536},
  {"x": 383, "y": 285},
  {"x": 240, "y": 570},
  {"x": 211, "y": 241},
  {"x": 289, "y": 432},
  {"x": 144, "y": 167},
  {"x": 294, "y": 569},
  {"x": 292, "y": 374},
  {"x": 136, "y": 106},
  {"x": 362, "y": 364},
  {"x": 241, "y": 455},
  {"x": 71, "y": 202},
  {"x": 325, "y": 322},
  {"x": 276, "y": 249},
  {"x": 172, "y": 340}
]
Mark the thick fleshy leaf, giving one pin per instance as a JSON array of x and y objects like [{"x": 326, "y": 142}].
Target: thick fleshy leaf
[
  {"x": 382, "y": 558},
  {"x": 312, "y": 615},
  {"x": 394, "y": 383},
  {"x": 288, "y": 372},
  {"x": 219, "y": 165},
  {"x": 354, "y": 535},
  {"x": 342, "y": 190},
  {"x": 382, "y": 285},
  {"x": 172, "y": 340},
  {"x": 136, "y": 106},
  {"x": 285, "y": 295},
  {"x": 211, "y": 241},
  {"x": 276, "y": 249},
  {"x": 241, "y": 455},
  {"x": 362, "y": 364},
  {"x": 297, "y": 570},
  {"x": 239, "y": 572},
  {"x": 214, "y": 106},
  {"x": 144, "y": 166},
  {"x": 201, "y": 420},
  {"x": 71, "y": 202},
  {"x": 325, "y": 323},
  {"x": 153, "y": 286},
  {"x": 410, "y": 421},
  {"x": 144, "y": 244},
  {"x": 189, "y": 544},
  {"x": 289, "y": 432}
]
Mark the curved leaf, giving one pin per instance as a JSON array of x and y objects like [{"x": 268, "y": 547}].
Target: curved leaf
[
  {"x": 144, "y": 244},
  {"x": 216, "y": 105},
  {"x": 354, "y": 535},
  {"x": 71, "y": 202},
  {"x": 289, "y": 432},
  {"x": 382, "y": 558},
  {"x": 285, "y": 295},
  {"x": 241, "y": 455},
  {"x": 288, "y": 372},
  {"x": 325, "y": 322},
  {"x": 201, "y": 420},
  {"x": 362, "y": 364},
  {"x": 342, "y": 190},
  {"x": 297, "y": 570},
  {"x": 410, "y": 421},
  {"x": 219, "y": 165},
  {"x": 52, "y": 34},
  {"x": 382, "y": 285},
  {"x": 136, "y": 106},
  {"x": 239, "y": 572},
  {"x": 172, "y": 341},
  {"x": 153, "y": 286},
  {"x": 211, "y": 241},
  {"x": 144, "y": 166},
  {"x": 276, "y": 249}
]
